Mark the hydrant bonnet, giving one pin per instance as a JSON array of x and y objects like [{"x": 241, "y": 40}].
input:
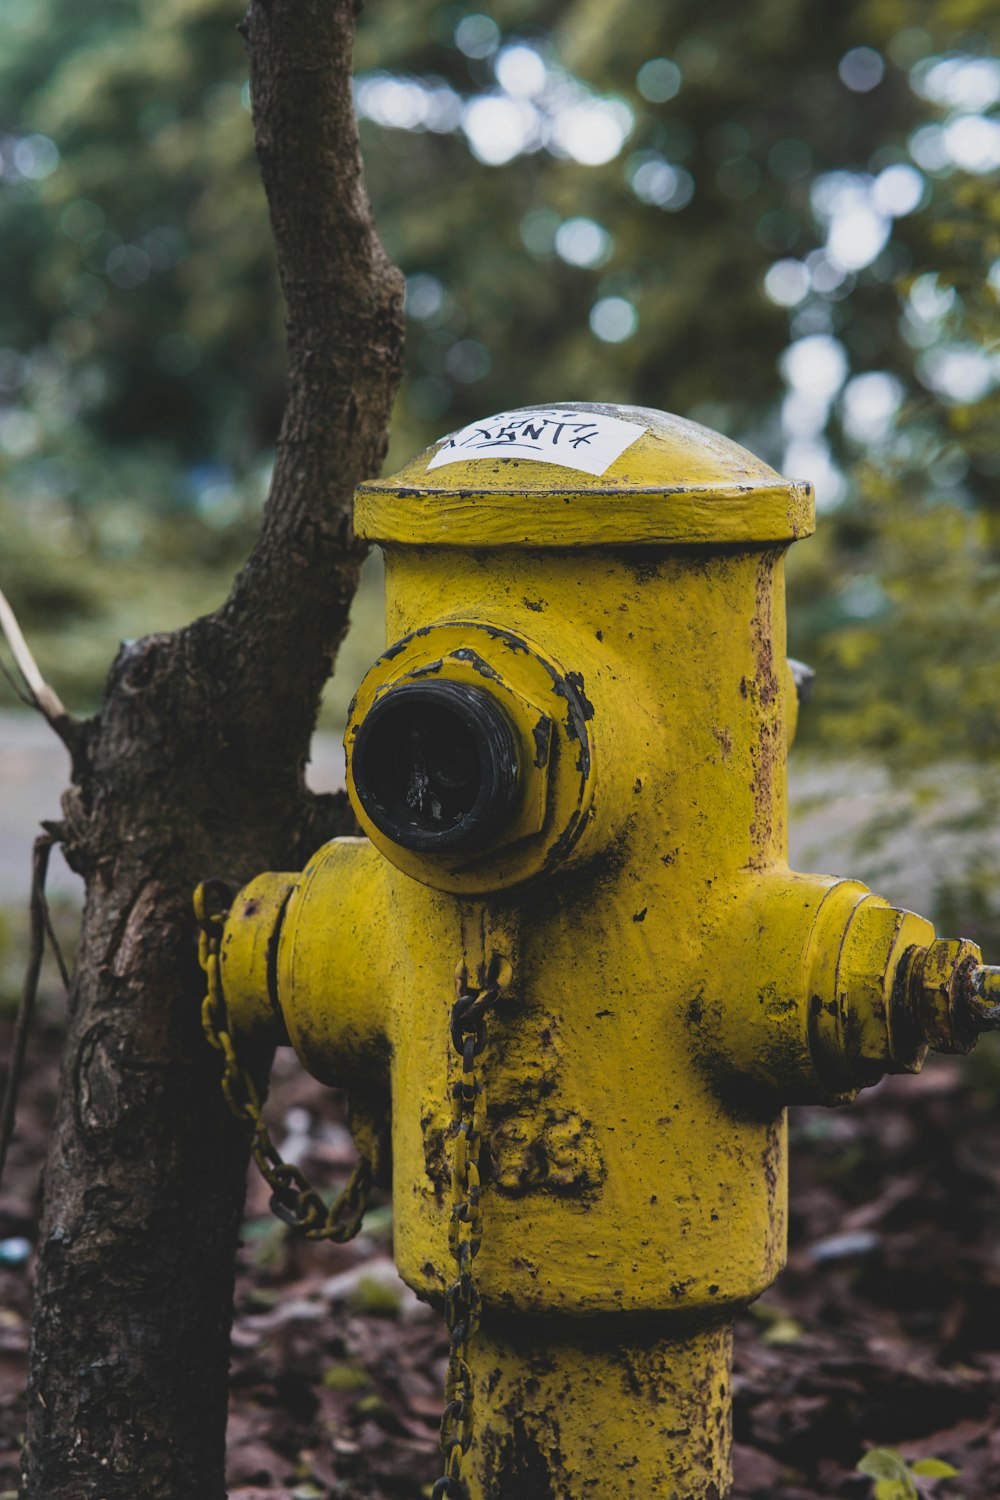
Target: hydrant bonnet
[{"x": 676, "y": 483}]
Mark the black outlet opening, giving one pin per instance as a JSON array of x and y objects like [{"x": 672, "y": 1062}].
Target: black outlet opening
[{"x": 435, "y": 766}]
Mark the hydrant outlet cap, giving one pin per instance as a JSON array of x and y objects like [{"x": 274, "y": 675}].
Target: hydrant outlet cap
[
  {"x": 584, "y": 475},
  {"x": 435, "y": 766}
]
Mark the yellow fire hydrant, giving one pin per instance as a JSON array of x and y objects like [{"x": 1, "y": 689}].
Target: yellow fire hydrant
[{"x": 570, "y": 768}]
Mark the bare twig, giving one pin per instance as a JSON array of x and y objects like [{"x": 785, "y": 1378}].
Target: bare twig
[
  {"x": 40, "y": 925},
  {"x": 16, "y": 687},
  {"x": 45, "y": 696},
  {"x": 40, "y": 694},
  {"x": 55, "y": 945}
]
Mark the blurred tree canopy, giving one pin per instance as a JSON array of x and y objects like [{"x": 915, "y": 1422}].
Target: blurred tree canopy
[{"x": 778, "y": 219}]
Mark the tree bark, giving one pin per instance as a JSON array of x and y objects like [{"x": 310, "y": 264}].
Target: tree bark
[{"x": 194, "y": 766}]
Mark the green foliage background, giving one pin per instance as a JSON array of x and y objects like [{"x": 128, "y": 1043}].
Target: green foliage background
[{"x": 140, "y": 324}]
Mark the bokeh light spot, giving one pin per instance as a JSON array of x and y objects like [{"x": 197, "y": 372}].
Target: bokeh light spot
[
  {"x": 35, "y": 157},
  {"x": 899, "y": 190},
  {"x": 499, "y": 128},
  {"x": 521, "y": 70},
  {"x": 654, "y": 180},
  {"x": 583, "y": 242},
  {"x": 926, "y": 146},
  {"x": 973, "y": 143},
  {"x": 614, "y": 319},
  {"x": 862, "y": 69},
  {"x": 816, "y": 365},
  {"x": 424, "y": 296},
  {"x": 965, "y": 83},
  {"x": 658, "y": 80},
  {"x": 959, "y": 373},
  {"x": 787, "y": 283},
  {"x": 869, "y": 405},
  {"x": 477, "y": 36},
  {"x": 592, "y": 131}
]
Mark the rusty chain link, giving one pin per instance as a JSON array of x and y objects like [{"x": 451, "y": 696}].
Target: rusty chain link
[
  {"x": 293, "y": 1199},
  {"x": 465, "y": 1233}
]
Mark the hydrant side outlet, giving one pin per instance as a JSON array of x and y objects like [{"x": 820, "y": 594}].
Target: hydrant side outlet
[{"x": 248, "y": 956}]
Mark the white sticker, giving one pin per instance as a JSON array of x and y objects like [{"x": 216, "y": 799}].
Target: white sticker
[{"x": 579, "y": 439}]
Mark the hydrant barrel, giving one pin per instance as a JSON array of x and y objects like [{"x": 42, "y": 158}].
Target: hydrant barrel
[{"x": 570, "y": 767}]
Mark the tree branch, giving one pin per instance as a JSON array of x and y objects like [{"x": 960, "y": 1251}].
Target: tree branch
[
  {"x": 288, "y": 607},
  {"x": 194, "y": 765}
]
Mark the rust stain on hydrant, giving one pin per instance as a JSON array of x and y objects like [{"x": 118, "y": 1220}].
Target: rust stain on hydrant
[{"x": 573, "y": 757}]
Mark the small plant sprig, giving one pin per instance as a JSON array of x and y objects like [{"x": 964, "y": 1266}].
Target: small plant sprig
[{"x": 895, "y": 1479}]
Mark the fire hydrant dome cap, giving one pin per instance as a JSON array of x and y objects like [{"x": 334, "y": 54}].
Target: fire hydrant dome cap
[{"x": 584, "y": 474}]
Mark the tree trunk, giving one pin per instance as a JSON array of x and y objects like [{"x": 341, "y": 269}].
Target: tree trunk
[{"x": 194, "y": 767}]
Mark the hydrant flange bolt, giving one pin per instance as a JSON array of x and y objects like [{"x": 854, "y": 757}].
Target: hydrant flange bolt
[{"x": 436, "y": 766}]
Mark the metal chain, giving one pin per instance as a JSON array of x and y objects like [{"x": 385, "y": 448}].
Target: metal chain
[
  {"x": 293, "y": 1199},
  {"x": 465, "y": 1233},
  {"x": 298, "y": 1204}
]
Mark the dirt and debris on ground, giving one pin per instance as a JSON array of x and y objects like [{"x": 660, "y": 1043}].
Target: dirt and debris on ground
[{"x": 884, "y": 1330}]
